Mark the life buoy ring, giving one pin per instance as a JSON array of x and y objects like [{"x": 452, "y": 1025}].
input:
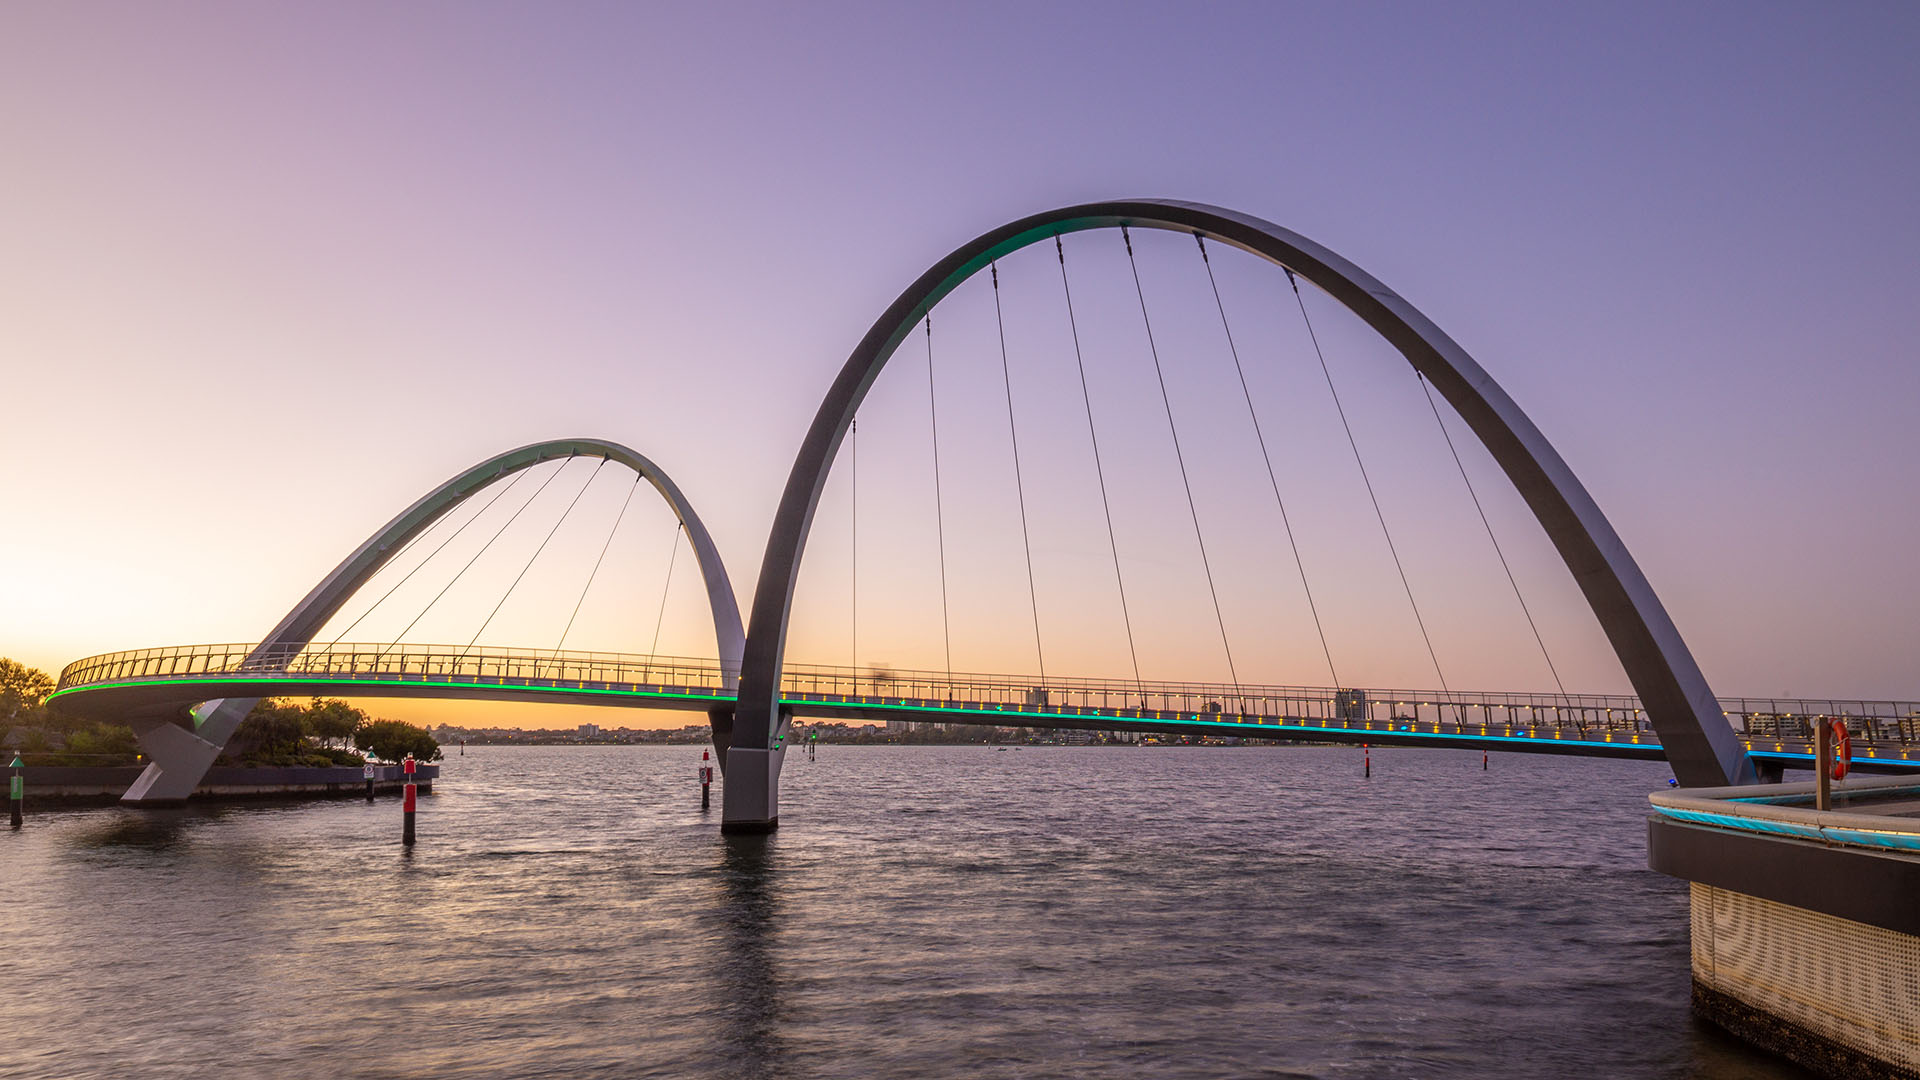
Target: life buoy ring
[{"x": 1842, "y": 750}]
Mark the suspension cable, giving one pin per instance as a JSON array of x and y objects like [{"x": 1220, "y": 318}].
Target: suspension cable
[
  {"x": 1099, "y": 473},
  {"x": 1267, "y": 457},
  {"x": 564, "y": 514},
  {"x": 1180, "y": 459},
  {"x": 1511, "y": 580},
  {"x": 853, "y": 515},
  {"x": 1019, "y": 486},
  {"x": 476, "y": 555},
  {"x": 595, "y": 572},
  {"x": 1368, "y": 481},
  {"x": 672, "y": 554},
  {"x": 521, "y": 475},
  {"x": 939, "y": 515}
]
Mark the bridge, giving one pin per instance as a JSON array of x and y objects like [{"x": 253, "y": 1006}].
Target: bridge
[
  {"x": 149, "y": 685},
  {"x": 185, "y": 702}
]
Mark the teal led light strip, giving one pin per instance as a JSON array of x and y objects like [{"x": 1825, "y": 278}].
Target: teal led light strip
[
  {"x": 1223, "y": 727},
  {"x": 1887, "y": 841},
  {"x": 1011, "y": 717},
  {"x": 1645, "y": 750}
]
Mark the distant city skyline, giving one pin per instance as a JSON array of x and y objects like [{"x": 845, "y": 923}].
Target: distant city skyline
[{"x": 277, "y": 272}]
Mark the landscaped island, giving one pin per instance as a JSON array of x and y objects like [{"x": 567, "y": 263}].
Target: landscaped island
[{"x": 277, "y": 733}]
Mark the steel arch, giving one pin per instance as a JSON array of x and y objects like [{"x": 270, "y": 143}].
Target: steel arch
[
  {"x": 176, "y": 751},
  {"x": 1700, "y": 743}
]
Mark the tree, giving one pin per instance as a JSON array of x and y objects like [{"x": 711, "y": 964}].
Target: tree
[
  {"x": 333, "y": 721},
  {"x": 391, "y": 740},
  {"x": 21, "y": 687},
  {"x": 273, "y": 725}
]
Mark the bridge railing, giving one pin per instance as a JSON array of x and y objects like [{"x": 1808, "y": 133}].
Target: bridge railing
[
  {"x": 940, "y": 691},
  {"x": 995, "y": 691},
  {"x": 439, "y": 663}
]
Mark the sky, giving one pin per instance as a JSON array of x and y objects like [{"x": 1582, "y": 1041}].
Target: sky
[{"x": 272, "y": 271}]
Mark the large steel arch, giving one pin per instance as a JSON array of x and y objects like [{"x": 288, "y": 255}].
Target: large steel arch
[
  {"x": 181, "y": 756},
  {"x": 1700, "y": 744}
]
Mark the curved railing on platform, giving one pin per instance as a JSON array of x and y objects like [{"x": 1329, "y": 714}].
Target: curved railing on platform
[
  {"x": 1758, "y": 718},
  {"x": 1788, "y": 811}
]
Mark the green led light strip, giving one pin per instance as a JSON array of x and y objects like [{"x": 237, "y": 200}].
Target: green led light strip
[
  {"x": 325, "y": 681},
  {"x": 1212, "y": 725},
  {"x": 1218, "y": 727}
]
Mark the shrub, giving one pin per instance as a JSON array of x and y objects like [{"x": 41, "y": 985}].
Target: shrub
[{"x": 391, "y": 740}]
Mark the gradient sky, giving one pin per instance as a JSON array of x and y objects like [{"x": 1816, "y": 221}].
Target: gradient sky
[{"x": 271, "y": 271}]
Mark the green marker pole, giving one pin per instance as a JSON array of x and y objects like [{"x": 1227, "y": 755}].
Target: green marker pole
[{"x": 16, "y": 789}]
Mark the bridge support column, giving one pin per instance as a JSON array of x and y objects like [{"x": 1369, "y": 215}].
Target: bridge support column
[
  {"x": 720, "y": 720},
  {"x": 750, "y": 792},
  {"x": 750, "y": 796},
  {"x": 181, "y": 757}
]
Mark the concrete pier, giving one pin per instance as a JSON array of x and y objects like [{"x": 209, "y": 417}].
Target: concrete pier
[
  {"x": 1805, "y": 923},
  {"x": 71, "y": 785}
]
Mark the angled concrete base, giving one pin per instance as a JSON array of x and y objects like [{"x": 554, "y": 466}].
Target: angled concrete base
[
  {"x": 180, "y": 758},
  {"x": 750, "y": 791}
]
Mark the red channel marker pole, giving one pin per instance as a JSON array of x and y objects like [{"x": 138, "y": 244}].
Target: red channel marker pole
[
  {"x": 706, "y": 780},
  {"x": 1368, "y": 760},
  {"x": 406, "y": 829}
]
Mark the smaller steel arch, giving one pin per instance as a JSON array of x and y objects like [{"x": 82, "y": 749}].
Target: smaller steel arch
[{"x": 181, "y": 757}]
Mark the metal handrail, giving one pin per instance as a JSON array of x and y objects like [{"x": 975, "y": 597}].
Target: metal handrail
[{"x": 1756, "y": 717}]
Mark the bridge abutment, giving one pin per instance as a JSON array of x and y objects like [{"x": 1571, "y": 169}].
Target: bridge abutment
[{"x": 180, "y": 758}]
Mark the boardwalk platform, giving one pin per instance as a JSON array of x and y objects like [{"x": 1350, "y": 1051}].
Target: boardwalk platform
[{"x": 1805, "y": 923}]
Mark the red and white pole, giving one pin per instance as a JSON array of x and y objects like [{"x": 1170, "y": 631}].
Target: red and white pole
[
  {"x": 406, "y": 830},
  {"x": 706, "y": 779},
  {"x": 1367, "y": 760}
]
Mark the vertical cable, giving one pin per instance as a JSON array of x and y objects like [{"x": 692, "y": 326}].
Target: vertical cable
[
  {"x": 1378, "y": 515},
  {"x": 1098, "y": 472},
  {"x": 476, "y": 555},
  {"x": 1180, "y": 459},
  {"x": 1524, "y": 610},
  {"x": 853, "y": 461},
  {"x": 672, "y": 554},
  {"x": 1267, "y": 457},
  {"x": 564, "y": 514},
  {"x": 596, "y": 565},
  {"x": 939, "y": 514},
  {"x": 1019, "y": 486},
  {"x": 430, "y": 556}
]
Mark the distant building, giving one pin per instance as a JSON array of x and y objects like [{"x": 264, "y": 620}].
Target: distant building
[{"x": 589, "y": 731}]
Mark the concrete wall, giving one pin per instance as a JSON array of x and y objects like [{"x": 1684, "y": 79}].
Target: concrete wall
[{"x": 92, "y": 784}]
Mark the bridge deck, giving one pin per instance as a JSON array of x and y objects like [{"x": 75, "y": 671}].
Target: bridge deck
[{"x": 156, "y": 685}]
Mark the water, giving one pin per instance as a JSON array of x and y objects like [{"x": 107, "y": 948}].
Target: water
[{"x": 926, "y": 911}]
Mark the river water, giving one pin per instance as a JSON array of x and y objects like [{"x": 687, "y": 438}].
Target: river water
[{"x": 923, "y": 911}]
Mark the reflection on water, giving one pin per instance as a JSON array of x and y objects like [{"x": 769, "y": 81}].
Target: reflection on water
[
  {"x": 153, "y": 830},
  {"x": 747, "y": 989},
  {"x": 923, "y": 912}
]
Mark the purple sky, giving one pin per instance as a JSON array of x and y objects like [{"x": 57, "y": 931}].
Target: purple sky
[{"x": 271, "y": 271}]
